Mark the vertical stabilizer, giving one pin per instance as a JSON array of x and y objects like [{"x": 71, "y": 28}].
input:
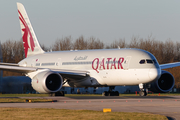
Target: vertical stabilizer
[{"x": 31, "y": 44}]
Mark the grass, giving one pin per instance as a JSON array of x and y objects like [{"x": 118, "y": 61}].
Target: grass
[
  {"x": 19, "y": 100},
  {"x": 55, "y": 114},
  {"x": 24, "y": 95},
  {"x": 64, "y": 114}
]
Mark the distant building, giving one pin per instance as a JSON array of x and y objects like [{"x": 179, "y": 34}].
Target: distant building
[{"x": 16, "y": 84}]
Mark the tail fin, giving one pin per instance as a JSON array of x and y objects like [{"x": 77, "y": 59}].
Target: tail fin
[{"x": 31, "y": 44}]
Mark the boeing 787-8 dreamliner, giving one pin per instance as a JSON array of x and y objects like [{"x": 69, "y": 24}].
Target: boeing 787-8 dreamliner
[{"x": 50, "y": 71}]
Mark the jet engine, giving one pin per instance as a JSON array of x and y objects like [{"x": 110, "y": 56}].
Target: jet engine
[
  {"x": 164, "y": 84},
  {"x": 47, "y": 82}
]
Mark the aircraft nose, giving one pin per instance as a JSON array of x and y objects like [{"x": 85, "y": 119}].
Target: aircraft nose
[{"x": 154, "y": 73}]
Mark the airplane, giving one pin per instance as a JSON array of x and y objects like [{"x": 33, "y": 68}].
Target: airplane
[{"x": 50, "y": 71}]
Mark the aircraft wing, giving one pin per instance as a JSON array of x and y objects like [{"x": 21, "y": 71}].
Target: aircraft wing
[
  {"x": 169, "y": 65},
  {"x": 64, "y": 72},
  {"x": 16, "y": 68},
  {"x": 71, "y": 72}
]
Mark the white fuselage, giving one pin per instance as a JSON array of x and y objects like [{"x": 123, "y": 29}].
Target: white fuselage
[{"x": 108, "y": 67}]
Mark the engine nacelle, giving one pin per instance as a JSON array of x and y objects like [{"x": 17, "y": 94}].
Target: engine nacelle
[
  {"x": 164, "y": 84},
  {"x": 47, "y": 82}
]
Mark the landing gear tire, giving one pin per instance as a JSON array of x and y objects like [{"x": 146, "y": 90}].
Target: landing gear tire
[
  {"x": 116, "y": 93},
  {"x": 142, "y": 93},
  {"x": 107, "y": 93},
  {"x": 60, "y": 93},
  {"x": 143, "y": 89}
]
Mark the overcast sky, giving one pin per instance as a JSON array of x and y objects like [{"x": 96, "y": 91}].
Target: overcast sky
[{"x": 107, "y": 20}]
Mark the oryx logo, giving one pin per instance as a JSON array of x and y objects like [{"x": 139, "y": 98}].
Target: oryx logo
[{"x": 27, "y": 34}]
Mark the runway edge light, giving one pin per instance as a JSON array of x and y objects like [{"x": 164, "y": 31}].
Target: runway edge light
[{"x": 107, "y": 110}]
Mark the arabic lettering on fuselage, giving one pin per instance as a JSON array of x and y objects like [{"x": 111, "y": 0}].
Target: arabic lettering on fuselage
[
  {"x": 112, "y": 63},
  {"x": 80, "y": 58}
]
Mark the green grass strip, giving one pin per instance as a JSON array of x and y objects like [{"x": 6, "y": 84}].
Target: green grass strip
[
  {"x": 19, "y": 100},
  {"x": 64, "y": 114}
]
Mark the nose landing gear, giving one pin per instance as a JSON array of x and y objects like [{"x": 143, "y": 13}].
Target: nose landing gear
[
  {"x": 143, "y": 89},
  {"x": 143, "y": 92}
]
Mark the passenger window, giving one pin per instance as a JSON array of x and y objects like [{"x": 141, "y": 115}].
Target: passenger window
[
  {"x": 142, "y": 62},
  {"x": 149, "y": 61}
]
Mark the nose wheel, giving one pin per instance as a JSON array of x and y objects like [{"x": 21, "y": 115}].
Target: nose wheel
[
  {"x": 143, "y": 89},
  {"x": 142, "y": 93}
]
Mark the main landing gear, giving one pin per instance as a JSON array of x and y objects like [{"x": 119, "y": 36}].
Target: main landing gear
[
  {"x": 143, "y": 89},
  {"x": 110, "y": 92},
  {"x": 59, "y": 93}
]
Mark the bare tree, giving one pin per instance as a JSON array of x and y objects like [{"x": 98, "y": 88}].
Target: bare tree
[
  {"x": 80, "y": 44},
  {"x": 45, "y": 48},
  {"x": 12, "y": 52},
  {"x": 134, "y": 42},
  {"x": 116, "y": 44},
  {"x": 63, "y": 44},
  {"x": 93, "y": 43}
]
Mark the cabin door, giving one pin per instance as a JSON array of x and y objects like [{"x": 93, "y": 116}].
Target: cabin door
[
  {"x": 58, "y": 63},
  {"x": 126, "y": 62}
]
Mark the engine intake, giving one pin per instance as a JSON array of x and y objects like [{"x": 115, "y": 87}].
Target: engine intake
[
  {"x": 47, "y": 82},
  {"x": 164, "y": 84}
]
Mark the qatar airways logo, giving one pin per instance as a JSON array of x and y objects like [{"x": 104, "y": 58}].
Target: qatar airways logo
[
  {"x": 80, "y": 58},
  {"x": 27, "y": 34},
  {"x": 112, "y": 63}
]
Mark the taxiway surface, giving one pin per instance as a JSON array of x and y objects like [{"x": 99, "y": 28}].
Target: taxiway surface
[{"x": 164, "y": 105}]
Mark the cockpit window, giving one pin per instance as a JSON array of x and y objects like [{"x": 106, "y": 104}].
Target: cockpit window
[
  {"x": 142, "y": 62},
  {"x": 149, "y": 61}
]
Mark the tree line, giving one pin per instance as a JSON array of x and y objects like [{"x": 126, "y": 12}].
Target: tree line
[{"x": 165, "y": 52}]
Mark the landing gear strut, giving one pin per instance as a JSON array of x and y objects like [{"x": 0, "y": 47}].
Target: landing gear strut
[
  {"x": 143, "y": 89},
  {"x": 110, "y": 92}
]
